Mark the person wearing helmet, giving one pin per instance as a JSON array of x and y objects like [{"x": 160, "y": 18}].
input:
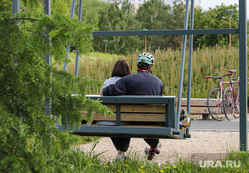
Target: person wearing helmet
[{"x": 140, "y": 83}]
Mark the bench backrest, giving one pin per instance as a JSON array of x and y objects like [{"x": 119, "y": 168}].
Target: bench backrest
[{"x": 139, "y": 110}]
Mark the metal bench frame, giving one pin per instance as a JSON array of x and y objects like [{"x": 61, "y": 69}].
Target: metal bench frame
[{"x": 169, "y": 131}]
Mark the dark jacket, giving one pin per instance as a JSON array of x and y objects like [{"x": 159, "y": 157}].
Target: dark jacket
[{"x": 141, "y": 83}]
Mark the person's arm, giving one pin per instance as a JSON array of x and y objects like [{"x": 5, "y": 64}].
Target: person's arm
[
  {"x": 162, "y": 89},
  {"x": 119, "y": 88},
  {"x": 101, "y": 92}
]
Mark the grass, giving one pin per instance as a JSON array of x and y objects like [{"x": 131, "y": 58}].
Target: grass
[
  {"x": 81, "y": 162},
  {"x": 206, "y": 62}
]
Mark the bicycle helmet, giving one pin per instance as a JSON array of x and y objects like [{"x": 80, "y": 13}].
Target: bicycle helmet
[{"x": 146, "y": 58}]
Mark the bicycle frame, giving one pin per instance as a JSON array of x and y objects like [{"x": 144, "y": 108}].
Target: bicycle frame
[
  {"x": 216, "y": 107},
  {"x": 221, "y": 83}
]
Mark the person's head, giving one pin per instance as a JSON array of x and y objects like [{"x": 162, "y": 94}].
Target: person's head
[
  {"x": 145, "y": 61},
  {"x": 121, "y": 68}
]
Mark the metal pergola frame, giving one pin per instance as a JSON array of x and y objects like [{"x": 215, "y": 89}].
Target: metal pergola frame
[{"x": 241, "y": 31}]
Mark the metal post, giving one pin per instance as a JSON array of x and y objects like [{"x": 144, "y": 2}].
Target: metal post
[
  {"x": 182, "y": 67},
  {"x": 80, "y": 10},
  {"x": 145, "y": 40},
  {"x": 230, "y": 36},
  {"x": 118, "y": 115},
  {"x": 243, "y": 73},
  {"x": 47, "y": 10},
  {"x": 106, "y": 43},
  {"x": 190, "y": 59},
  {"x": 16, "y": 6},
  {"x": 67, "y": 48},
  {"x": 190, "y": 56},
  {"x": 77, "y": 51},
  {"x": 16, "y": 9},
  {"x": 47, "y": 7},
  {"x": 145, "y": 44}
]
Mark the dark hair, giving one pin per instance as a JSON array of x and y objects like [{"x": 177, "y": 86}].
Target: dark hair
[
  {"x": 121, "y": 68},
  {"x": 143, "y": 66}
]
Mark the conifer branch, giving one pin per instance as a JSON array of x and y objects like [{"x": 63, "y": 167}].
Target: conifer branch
[
  {"x": 61, "y": 157},
  {"x": 13, "y": 25},
  {"x": 23, "y": 18},
  {"x": 14, "y": 150},
  {"x": 15, "y": 129},
  {"x": 43, "y": 121},
  {"x": 15, "y": 100},
  {"x": 9, "y": 52}
]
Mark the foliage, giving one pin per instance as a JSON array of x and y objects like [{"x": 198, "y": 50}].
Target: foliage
[
  {"x": 117, "y": 19},
  {"x": 5, "y": 5},
  {"x": 36, "y": 6},
  {"x": 214, "y": 19},
  {"x": 152, "y": 15},
  {"x": 155, "y": 15},
  {"x": 30, "y": 139},
  {"x": 90, "y": 14},
  {"x": 82, "y": 162},
  {"x": 207, "y": 61}
]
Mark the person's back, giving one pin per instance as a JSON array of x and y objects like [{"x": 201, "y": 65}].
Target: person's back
[{"x": 141, "y": 83}]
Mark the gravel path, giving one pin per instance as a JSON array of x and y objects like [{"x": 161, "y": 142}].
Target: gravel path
[{"x": 172, "y": 149}]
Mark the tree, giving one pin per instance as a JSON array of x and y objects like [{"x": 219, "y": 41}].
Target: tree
[
  {"x": 214, "y": 19},
  {"x": 30, "y": 141},
  {"x": 176, "y": 21},
  {"x": 118, "y": 19},
  {"x": 91, "y": 10},
  {"x": 155, "y": 15}
]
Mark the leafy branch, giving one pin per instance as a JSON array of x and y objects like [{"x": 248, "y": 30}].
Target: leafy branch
[{"x": 23, "y": 18}]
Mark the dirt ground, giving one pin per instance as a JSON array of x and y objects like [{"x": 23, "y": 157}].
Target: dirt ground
[{"x": 200, "y": 143}]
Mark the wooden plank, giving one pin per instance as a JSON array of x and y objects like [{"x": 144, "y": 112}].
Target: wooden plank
[
  {"x": 138, "y": 108},
  {"x": 200, "y": 110},
  {"x": 132, "y": 117},
  {"x": 161, "y": 108},
  {"x": 197, "y": 110},
  {"x": 194, "y": 102},
  {"x": 197, "y": 102}
]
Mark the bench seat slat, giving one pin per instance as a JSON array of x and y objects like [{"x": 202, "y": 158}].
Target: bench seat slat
[
  {"x": 132, "y": 117},
  {"x": 138, "y": 108}
]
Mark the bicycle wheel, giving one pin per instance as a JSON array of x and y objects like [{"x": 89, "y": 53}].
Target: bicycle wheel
[
  {"x": 236, "y": 105},
  {"x": 215, "y": 104},
  {"x": 228, "y": 103}
]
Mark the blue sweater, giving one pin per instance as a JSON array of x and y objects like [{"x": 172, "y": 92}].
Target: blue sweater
[{"x": 141, "y": 83}]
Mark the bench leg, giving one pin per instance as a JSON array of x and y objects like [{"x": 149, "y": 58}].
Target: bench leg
[{"x": 205, "y": 117}]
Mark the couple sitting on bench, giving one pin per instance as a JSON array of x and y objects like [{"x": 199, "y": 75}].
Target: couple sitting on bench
[{"x": 143, "y": 82}]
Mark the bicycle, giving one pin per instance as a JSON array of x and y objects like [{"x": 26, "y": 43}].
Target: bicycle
[
  {"x": 215, "y": 103},
  {"x": 231, "y": 98}
]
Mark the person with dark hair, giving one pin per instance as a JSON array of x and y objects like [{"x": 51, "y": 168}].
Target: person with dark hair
[
  {"x": 140, "y": 83},
  {"x": 121, "y": 68}
]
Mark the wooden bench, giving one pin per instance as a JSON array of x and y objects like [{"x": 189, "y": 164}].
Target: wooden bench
[
  {"x": 198, "y": 107},
  {"x": 136, "y": 116}
]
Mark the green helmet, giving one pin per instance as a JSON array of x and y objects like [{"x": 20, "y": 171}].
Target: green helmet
[{"x": 146, "y": 58}]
